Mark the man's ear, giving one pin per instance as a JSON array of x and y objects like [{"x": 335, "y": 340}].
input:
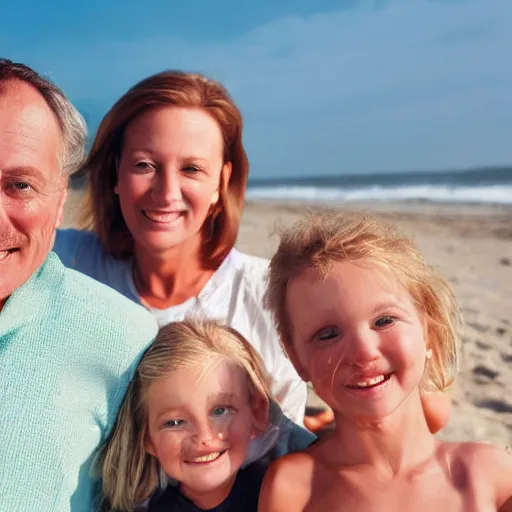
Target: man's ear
[{"x": 62, "y": 201}]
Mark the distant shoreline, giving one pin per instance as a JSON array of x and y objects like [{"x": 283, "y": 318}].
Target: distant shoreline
[{"x": 492, "y": 173}]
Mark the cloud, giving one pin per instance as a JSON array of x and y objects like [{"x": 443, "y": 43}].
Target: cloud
[{"x": 390, "y": 85}]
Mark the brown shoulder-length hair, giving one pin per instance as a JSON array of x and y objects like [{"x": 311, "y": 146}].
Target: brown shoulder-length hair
[{"x": 102, "y": 210}]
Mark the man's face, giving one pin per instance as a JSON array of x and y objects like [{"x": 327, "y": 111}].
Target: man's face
[{"x": 32, "y": 188}]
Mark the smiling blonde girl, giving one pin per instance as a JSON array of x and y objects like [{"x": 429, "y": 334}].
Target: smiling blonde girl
[
  {"x": 373, "y": 326},
  {"x": 200, "y": 416}
]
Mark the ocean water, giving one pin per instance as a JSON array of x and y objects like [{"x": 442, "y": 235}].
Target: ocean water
[{"x": 491, "y": 186}]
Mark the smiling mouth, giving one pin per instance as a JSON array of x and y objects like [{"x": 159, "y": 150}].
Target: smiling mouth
[
  {"x": 206, "y": 459},
  {"x": 162, "y": 217},
  {"x": 6, "y": 252},
  {"x": 371, "y": 383}
]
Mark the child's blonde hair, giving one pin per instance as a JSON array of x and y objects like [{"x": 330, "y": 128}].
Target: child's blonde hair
[
  {"x": 130, "y": 474},
  {"x": 319, "y": 240}
]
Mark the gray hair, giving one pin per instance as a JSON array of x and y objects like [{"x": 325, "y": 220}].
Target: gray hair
[{"x": 71, "y": 123}]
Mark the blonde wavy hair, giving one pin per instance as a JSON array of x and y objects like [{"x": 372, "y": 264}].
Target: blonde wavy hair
[
  {"x": 129, "y": 473},
  {"x": 319, "y": 240}
]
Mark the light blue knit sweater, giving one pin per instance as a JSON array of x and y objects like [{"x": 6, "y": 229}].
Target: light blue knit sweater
[{"x": 68, "y": 349}]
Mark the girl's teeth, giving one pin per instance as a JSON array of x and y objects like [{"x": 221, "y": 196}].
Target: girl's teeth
[
  {"x": 370, "y": 382},
  {"x": 207, "y": 458}
]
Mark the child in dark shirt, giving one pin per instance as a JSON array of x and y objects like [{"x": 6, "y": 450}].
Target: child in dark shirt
[{"x": 196, "y": 423}]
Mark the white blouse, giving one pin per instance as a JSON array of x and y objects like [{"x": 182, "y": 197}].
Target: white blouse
[{"x": 233, "y": 296}]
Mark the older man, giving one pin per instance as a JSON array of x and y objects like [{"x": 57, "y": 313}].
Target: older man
[{"x": 68, "y": 345}]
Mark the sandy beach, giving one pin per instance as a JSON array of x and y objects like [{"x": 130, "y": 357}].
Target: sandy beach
[{"x": 472, "y": 247}]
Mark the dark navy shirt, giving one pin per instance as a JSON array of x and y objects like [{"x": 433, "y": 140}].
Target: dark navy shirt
[{"x": 242, "y": 498}]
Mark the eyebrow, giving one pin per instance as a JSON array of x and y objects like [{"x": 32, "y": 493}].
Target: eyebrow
[
  {"x": 23, "y": 170},
  {"x": 156, "y": 152},
  {"x": 217, "y": 397},
  {"x": 386, "y": 305},
  {"x": 221, "y": 397}
]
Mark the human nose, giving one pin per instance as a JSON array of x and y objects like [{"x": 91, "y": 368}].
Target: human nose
[
  {"x": 363, "y": 347},
  {"x": 204, "y": 434},
  {"x": 166, "y": 186}
]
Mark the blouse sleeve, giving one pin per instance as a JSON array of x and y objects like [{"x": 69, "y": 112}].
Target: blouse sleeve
[
  {"x": 67, "y": 244},
  {"x": 288, "y": 388},
  {"x": 80, "y": 250}
]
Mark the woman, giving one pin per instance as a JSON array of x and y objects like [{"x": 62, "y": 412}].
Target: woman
[{"x": 168, "y": 174}]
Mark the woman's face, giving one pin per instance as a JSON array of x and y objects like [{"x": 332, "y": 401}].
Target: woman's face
[{"x": 169, "y": 176}]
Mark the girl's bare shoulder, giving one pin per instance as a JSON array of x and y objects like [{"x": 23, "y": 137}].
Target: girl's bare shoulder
[
  {"x": 294, "y": 466},
  {"x": 487, "y": 465},
  {"x": 286, "y": 483},
  {"x": 481, "y": 453}
]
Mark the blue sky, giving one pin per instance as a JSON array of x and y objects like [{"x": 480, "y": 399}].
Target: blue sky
[{"x": 336, "y": 87}]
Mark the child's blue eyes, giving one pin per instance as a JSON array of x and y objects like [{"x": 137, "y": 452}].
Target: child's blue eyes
[
  {"x": 174, "y": 423},
  {"x": 385, "y": 321},
  {"x": 330, "y": 333},
  {"x": 220, "y": 411},
  {"x": 327, "y": 334},
  {"x": 217, "y": 412}
]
